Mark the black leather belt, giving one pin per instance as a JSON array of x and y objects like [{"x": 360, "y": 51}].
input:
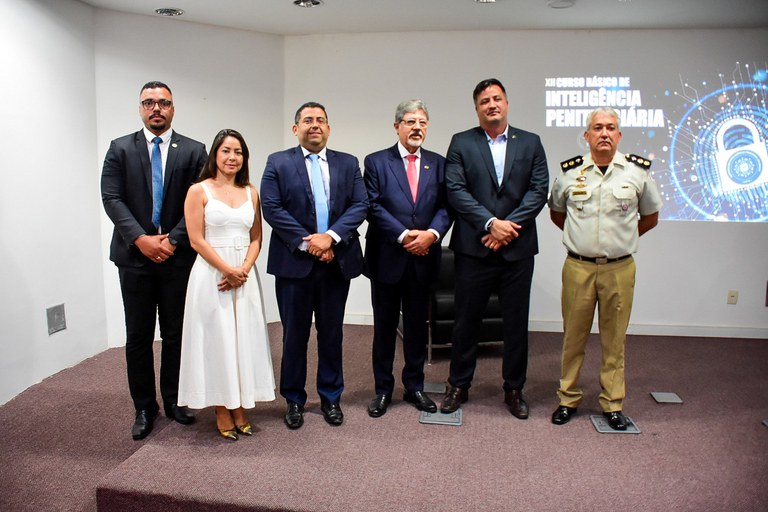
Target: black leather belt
[{"x": 599, "y": 261}]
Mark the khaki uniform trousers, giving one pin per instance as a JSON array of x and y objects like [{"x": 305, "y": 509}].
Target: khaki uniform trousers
[{"x": 611, "y": 286}]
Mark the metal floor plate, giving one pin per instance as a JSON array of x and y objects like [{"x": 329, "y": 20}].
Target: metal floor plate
[
  {"x": 601, "y": 425},
  {"x": 664, "y": 397},
  {"x": 438, "y": 418}
]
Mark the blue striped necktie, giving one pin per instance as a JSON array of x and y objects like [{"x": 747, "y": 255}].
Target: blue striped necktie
[
  {"x": 157, "y": 181},
  {"x": 318, "y": 193}
]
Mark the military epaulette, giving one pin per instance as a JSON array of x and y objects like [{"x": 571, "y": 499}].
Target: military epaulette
[
  {"x": 571, "y": 163},
  {"x": 639, "y": 160}
]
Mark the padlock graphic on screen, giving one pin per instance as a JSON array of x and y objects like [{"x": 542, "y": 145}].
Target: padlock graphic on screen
[{"x": 742, "y": 158}]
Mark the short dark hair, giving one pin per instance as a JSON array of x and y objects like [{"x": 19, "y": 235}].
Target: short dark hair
[
  {"x": 242, "y": 178},
  {"x": 309, "y": 104},
  {"x": 484, "y": 84},
  {"x": 155, "y": 85}
]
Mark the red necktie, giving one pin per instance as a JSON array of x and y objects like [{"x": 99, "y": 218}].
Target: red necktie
[{"x": 410, "y": 172}]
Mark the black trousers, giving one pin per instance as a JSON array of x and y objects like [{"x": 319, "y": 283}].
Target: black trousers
[
  {"x": 324, "y": 294},
  {"x": 476, "y": 278},
  {"x": 411, "y": 295},
  {"x": 154, "y": 292}
]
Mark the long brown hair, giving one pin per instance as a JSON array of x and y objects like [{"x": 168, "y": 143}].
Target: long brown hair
[{"x": 242, "y": 178}]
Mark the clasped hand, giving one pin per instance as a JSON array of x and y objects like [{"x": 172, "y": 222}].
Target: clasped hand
[
  {"x": 235, "y": 277},
  {"x": 501, "y": 234},
  {"x": 417, "y": 242},
  {"x": 320, "y": 245},
  {"x": 156, "y": 248}
]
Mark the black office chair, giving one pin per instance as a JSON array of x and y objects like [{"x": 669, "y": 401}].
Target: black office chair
[{"x": 442, "y": 311}]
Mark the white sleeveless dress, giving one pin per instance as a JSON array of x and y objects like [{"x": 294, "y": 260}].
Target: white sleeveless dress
[{"x": 225, "y": 354}]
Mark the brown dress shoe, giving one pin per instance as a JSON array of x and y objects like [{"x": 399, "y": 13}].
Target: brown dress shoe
[
  {"x": 453, "y": 400},
  {"x": 517, "y": 406}
]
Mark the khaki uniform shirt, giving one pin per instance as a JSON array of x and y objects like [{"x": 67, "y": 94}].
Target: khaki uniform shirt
[{"x": 602, "y": 209}]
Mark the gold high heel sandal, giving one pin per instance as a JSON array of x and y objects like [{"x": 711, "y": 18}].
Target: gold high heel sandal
[
  {"x": 246, "y": 429},
  {"x": 228, "y": 434}
]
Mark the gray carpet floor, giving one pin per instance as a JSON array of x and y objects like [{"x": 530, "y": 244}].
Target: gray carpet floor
[{"x": 66, "y": 441}]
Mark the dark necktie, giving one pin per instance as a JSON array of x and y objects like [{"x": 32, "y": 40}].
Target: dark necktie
[
  {"x": 318, "y": 192},
  {"x": 157, "y": 181}
]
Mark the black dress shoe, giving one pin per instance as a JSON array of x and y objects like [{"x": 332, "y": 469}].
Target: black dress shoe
[
  {"x": 378, "y": 405},
  {"x": 517, "y": 406},
  {"x": 332, "y": 414},
  {"x": 616, "y": 420},
  {"x": 453, "y": 399},
  {"x": 563, "y": 415},
  {"x": 294, "y": 416},
  {"x": 179, "y": 413},
  {"x": 420, "y": 400},
  {"x": 143, "y": 424}
]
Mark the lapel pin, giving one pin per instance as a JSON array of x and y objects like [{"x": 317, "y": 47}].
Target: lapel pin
[
  {"x": 426, "y": 167},
  {"x": 174, "y": 145}
]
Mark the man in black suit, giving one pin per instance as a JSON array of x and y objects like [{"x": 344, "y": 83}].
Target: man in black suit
[
  {"x": 144, "y": 182},
  {"x": 497, "y": 181},
  {"x": 314, "y": 199},
  {"x": 406, "y": 221}
]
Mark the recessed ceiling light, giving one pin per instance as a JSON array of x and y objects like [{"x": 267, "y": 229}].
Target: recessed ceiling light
[
  {"x": 560, "y": 4},
  {"x": 486, "y": 1},
  {"x": 169, "y": 11},
  {"x": 307, "y": 3}
]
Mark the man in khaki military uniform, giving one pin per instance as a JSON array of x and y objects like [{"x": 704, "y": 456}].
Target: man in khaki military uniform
[{"x": 603, "y": 202}]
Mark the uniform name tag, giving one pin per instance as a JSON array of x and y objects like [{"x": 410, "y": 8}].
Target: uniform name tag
[{"x": 579, "y": 193}]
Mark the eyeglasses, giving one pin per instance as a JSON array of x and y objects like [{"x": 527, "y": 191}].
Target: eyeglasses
[
  {"x": 309, "y": 121},
  {"x": 150, "y": 104},
  {"x": 410, "y": 123}
]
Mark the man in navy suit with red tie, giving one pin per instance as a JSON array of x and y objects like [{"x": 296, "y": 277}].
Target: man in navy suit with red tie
[
  {"x": 144, "y": 182},
  {"x": 406, "y": 222},
  {"x": 314, "y": 199}
]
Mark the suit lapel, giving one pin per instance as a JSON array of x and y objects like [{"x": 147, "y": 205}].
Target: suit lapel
[
  {"x": 427, "y": 174},
  {"x": 333, "y": 181},
  {"x": 485, "y": 152},
  {"x": 396, "y": 167},
  {"x": 512, "y": 140},
  {"x": 170, "y": 160},
  {"x": 301, "y": 172},
  {"x": 143, "y": 154}
]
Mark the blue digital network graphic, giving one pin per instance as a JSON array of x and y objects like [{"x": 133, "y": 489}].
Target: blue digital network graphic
[{"x": 718, "y": 157}]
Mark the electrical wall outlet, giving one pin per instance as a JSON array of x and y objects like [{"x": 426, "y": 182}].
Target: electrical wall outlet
[
  {"x": 57, "y": 320},
  {"x": 733, "y": 296}
]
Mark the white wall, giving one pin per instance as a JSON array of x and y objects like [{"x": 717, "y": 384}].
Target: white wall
[
  {"x": 220, "y": 78},
  {"x": 684, "y": 269},
  {"x": 71, "y": 85},
  {"x": 49, "y": 200}
]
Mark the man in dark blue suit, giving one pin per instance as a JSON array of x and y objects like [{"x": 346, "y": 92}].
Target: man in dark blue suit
[
  {"x": 497, "y": 181},
  {"x": 144, "y": 182},
  {"x": 314, "y": 199},
  {"x": 406, "y": 221}
]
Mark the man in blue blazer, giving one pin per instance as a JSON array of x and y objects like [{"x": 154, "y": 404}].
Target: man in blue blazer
[
  {"x": 314, "y": 199},
  {"x": 144, "y": 182},
  {"x": 497, "y": 181},
  {"x": 406, "y": 222}
]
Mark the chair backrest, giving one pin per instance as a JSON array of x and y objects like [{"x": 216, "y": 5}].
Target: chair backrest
[{"x": 447, "y": 277}]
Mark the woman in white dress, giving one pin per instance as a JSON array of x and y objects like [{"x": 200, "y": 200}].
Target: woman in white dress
[{"x": 225, "y": 355}]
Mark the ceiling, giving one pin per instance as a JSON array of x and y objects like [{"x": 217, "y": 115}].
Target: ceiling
[{"x": 365, "y": 16}]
